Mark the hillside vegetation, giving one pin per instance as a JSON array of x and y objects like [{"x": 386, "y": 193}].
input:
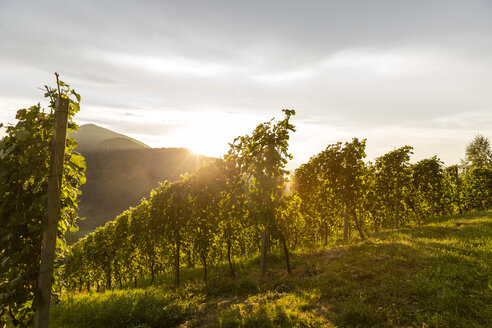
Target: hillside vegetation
[
  {"x": 227, "y": 232},
  {"x": 433, "y": 275},
  {"x": 121, "y": 171},
  {"x": 117, "y": 180},
  {"x": 241, "y": 212}
]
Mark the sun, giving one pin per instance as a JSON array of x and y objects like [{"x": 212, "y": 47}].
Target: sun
[
  {"x": 209, "y": 145},
  {"x": 208, "y": 132}
]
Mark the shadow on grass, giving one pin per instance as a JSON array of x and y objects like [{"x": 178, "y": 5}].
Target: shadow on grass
[{"x": 438, "y": 276}]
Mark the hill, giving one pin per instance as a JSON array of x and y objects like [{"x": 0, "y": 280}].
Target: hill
[
  {"x": 434, "y": 275},
  {"x": 91, "y": 137},
  {"x": 121, "y": 171}
]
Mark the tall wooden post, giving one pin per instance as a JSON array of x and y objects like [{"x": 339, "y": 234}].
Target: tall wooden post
[
  {"x": 50, "y": 225},
  {"x": 346, "y": 231},
  {"x": 456, "y": 173},
  {"x": 345, "y": 223},
  {"x": 397, "y": 202},
  {"x": 345, "y": 213}
]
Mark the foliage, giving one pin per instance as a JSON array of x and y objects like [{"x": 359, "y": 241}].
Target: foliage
[
  {"x": 222, "y": 212},
  {"x": 261, "y": 158},
  {"x": 428, "y": 182},
  {"x": 24, "y": 168},
  {"x": 149, "y": 307},
  {"x": 242, "y": 205},
  {"x": 171, "y": 206},
  {"x": 452, "y": 190},
  {"x": 199, "y": 217},
  {"x": 119, "y": 179},
  {"x": 393, "y": 176},
  {"x": 478, "y": 153},
  {"x": 216, "y": 218},
  {"x": 478, "y": 188},
  {"x": 331, "y": 185},
  {"x": 432, "y": 275}
]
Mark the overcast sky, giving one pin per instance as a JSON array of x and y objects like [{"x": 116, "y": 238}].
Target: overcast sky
[{"x": 197, "y": 74}]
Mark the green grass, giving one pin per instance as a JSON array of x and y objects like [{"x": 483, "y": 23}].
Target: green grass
[{"x": 433, "y": 275}]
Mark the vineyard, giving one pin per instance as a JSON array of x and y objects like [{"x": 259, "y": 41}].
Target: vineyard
[
  {"x": 243, "y": 205},
  {"x": 237, "y": 221},
  {"x": 435, "y": 274}
]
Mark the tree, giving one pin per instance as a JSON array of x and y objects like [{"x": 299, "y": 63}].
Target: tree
[
  {"x": 171, "y": 207},
  {"x": 452, "y": 186},
  {"x": 478, "y": 188},
  {"x": 105, "y": 250},
  {"x": 332, "y": 174},
  {"x": 232, "y": 213},
  {"x": 393, "y": 174},
  {"x": 76, "y": 268},
  {"x": 124, "y": 261},
  {"x": 370, "y": 200},
  {"x": 335, "y": 177},
  {"x": 207, "y": 186},
  {"x": 318, "y": 202},
  {"x": 262, "y": 157},
  {"x": 428, "y": 182},
  {"x": 291, "y": 221},
  {"x": 352, "y": 176},
  {"x": 24, "y": 168},
  {"x": 478, "y": 153}
]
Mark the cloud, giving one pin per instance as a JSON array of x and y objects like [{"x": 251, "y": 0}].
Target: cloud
[{"x": 390, "y": 71}]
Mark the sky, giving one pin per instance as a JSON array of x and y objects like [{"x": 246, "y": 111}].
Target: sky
[{"x": 197, "y": 74}]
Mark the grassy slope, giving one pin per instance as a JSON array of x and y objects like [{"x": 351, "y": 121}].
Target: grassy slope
[{"x": 434, "y": 275}]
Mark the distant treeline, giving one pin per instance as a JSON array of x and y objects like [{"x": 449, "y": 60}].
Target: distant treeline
[{"x": 244, "y": 205}]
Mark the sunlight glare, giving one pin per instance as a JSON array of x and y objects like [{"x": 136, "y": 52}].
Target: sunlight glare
[{"x": 209, "y": 133}]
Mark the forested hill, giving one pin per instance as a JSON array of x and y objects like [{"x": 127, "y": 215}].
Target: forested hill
[{"x": 121, "y": 171}]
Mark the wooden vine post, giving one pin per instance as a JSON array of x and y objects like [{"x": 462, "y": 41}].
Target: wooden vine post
[
  {"x": 50, "y": 226},
  {"x": 397, "y": 201}
]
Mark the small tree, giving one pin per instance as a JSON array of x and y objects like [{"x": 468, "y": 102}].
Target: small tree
[
  {"x": 232, "y": 214},
  {"x": 171, "y": 208},
  {"x": 478, "y": 188},
  {"x": 393, "y": 174},
  {"x": 428, "y": 182},
  {"x": 262, "y": 157},
  {"x": 452, "y": 188},
  {"x": 207, "y": 186},
  {"x": 478, "y": 153},
  {"x": 319, "y": 204}
]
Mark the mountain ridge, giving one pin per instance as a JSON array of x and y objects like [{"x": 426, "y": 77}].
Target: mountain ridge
[{"x": 92, "y": 137}]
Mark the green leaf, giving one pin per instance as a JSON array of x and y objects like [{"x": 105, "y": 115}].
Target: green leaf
[{"x": 79, "y": 161}]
